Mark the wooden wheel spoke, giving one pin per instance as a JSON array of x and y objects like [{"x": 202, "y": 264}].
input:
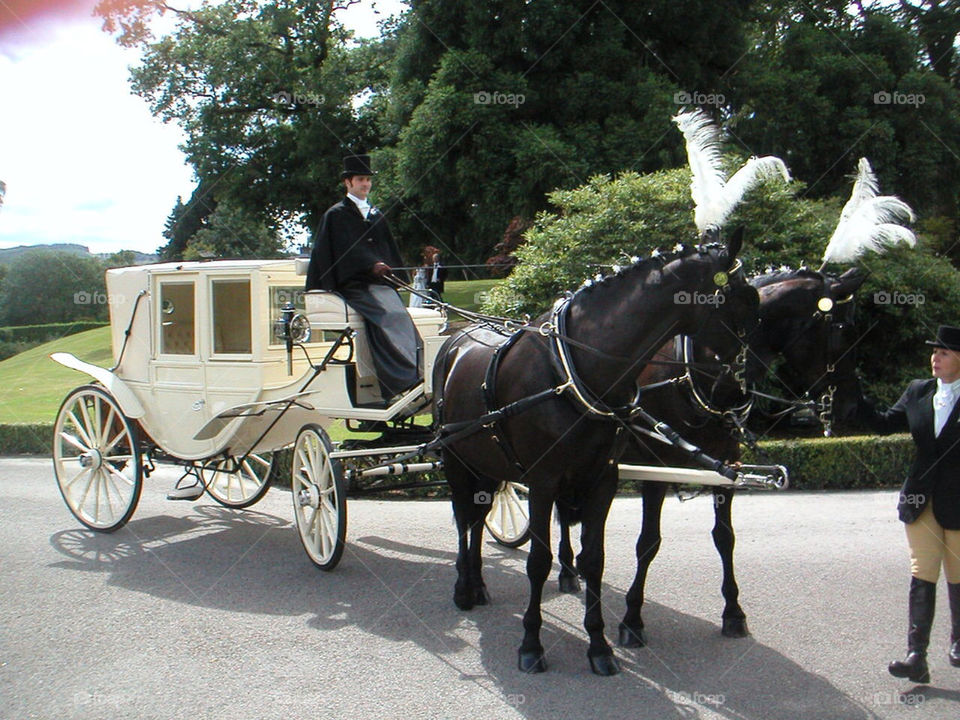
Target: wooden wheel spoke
[
  {"x": 85, "y": 418},
  {"x": 113, "y": 472},
  {"x": 71, "y": 440},
  {"x": 81, "y": 431}
]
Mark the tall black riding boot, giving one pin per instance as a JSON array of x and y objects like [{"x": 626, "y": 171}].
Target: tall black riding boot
[
  {"x": 953, "y": 589},
  {"x": 923, "y": 596}
]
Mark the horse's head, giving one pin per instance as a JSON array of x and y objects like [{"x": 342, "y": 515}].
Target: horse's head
[
  {"x": 726, "y": 312},
  {"x": 807, "y": 337}
]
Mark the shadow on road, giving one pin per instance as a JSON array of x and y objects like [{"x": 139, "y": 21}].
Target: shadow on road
[{"x": 215, "y": 558}]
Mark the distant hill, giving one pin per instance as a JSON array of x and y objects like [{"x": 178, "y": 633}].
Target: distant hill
[{"x": 8, "y": 255}]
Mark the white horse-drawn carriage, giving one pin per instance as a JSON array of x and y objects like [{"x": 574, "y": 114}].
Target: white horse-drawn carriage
[{"x": 219, "y": 365}]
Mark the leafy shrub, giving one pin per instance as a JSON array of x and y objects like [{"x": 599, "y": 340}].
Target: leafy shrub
[
  {"x": 908, "y": 293},
  {"x": 608, "y": 220}
]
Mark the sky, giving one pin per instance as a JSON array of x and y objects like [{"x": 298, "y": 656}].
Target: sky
[{"x": 83, "y": 159}]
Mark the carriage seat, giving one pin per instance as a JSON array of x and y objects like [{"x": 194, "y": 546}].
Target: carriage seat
[{"x": 329, "y": 311}]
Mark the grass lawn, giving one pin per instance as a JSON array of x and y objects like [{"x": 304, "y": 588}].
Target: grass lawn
[{"x": 34, "y": 385}]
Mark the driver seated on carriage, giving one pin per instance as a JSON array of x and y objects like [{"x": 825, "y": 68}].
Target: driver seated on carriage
[{"x": 353, "y": 254}]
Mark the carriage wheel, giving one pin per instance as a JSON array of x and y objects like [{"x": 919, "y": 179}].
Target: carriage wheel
[
  {"x": 319, "y": 498},
  {"x": 508, "y": 519},
  {"x": 96, "y": 459},
  {"x": 244, "y": 487}
]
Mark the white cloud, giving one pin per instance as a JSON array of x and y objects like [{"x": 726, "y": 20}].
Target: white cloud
[{"x": 83, "y": 159}]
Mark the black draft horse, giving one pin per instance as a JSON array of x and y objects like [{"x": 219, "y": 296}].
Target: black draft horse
[
  {"x": 806, "y": 323},
  {"x": 806, "y": 345},
  {"x": 565, "y": 391}
]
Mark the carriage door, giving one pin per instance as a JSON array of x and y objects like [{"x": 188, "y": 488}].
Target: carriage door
[
  {"x": 231, "y": 377},
  {"x": 178, "y": 407}
]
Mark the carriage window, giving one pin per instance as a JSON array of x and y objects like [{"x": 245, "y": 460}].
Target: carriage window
[
  {"x": 231, "y": 316},
  {"x": 176, "y": 319}
]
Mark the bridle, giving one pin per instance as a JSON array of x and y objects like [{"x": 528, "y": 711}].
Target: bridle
[
  {"x": 683, "y": 348},
  {"x": 827, "y": 313},
  {"x": 591, "y": 403},
  {"x": 835, "y": 316}
]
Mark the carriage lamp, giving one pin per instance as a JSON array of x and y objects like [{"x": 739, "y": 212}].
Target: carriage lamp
[{"x": 292, "y": 328}]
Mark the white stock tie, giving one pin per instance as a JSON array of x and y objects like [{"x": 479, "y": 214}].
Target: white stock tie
[{"x": 942, "y": 405}]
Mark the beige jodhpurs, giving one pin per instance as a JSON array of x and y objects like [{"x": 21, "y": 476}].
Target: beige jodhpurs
[{"x": 931, "y": 546}]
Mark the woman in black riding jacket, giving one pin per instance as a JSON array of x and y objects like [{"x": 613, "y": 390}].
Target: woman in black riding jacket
[{"x": 929, "y": 501}]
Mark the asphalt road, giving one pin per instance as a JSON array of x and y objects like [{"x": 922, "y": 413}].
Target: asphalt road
[{"x": 192, "y": 610}]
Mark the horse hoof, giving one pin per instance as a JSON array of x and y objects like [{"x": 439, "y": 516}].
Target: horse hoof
[
  {"x": 629, "y": 638},
  {"x": 481, "y": 596},
  {"x": 569, "y": 584},
  {"x": 532, "y": 662},
  {"x": 734, "y": 628},
  {"x": 605, "y": 665},
  {"x": 463, "y": 600}
]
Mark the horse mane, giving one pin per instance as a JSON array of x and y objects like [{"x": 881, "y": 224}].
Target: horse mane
[
  {"x": 655, "y": 261},
  {"x": 778, "y": 276}
]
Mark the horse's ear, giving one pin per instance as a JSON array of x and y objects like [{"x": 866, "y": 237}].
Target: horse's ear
[
  {"x": 735, "y": 243},
  {"x": 848, "y": 283}
]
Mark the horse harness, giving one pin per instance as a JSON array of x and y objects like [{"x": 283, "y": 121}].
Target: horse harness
[
  {"x": 579, "y": 395},
  {"x": 835, "y": 329}
]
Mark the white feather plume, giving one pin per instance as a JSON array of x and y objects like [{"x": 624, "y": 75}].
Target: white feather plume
[
  {"x": 868, "y": 222},
  {"x": 714, "y": 197}
]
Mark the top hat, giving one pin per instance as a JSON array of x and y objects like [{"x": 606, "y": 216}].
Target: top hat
[
  {"x": 948, "y": 337},
  {"x": 356, "y": 165}
]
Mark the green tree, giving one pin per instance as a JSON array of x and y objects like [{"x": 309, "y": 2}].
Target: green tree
[
  {"x": 233, "y": 233},
  {"x": 821, "y": 94},
  {"x": 45, "y": 286},
  {"x": 494, "y": 104},
  {"x": 937, "y": 23},
  {"x": 264, "y": 90},
  {"x": 186, "y": 219}
]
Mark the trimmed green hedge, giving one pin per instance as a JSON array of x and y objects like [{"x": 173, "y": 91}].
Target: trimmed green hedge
[
  {"x": 33, "y": 439},
  {"x": 845, "y": 463},
  {"x": 45, "y": 333},
  {"x": 842, "y": 463}
]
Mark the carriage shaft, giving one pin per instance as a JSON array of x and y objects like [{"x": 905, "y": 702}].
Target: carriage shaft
[{"x": 395, "y": 469}]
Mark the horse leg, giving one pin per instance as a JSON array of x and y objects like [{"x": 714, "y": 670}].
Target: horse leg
[
  {"x": 648, "y": 545},
  {"x": 734, "y": 619},
  {"x": 568, "y": 579},
  {"x": 539, "y": 561},
  {"x": 590, "y": 563},
  {"x": 477, "y": 586},
  {"x": 468, "y": 515}
]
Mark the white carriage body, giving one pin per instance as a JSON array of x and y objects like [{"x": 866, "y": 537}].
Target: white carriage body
[{"x": 208, "y": 370}]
